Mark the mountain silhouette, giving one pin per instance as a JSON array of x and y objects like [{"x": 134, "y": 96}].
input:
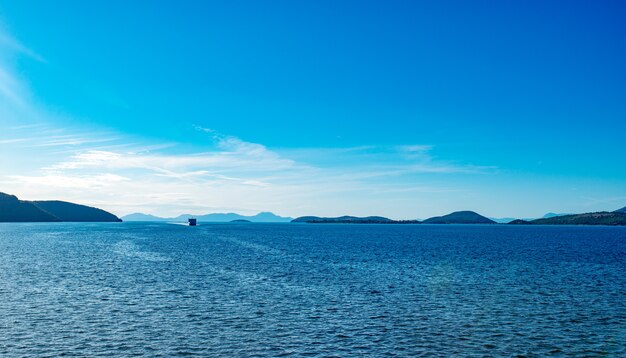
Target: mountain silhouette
[
  {"x": 265, "y": 217},
  {"x": 460, "y": 217},
  {"x": 14, "y": 210}
]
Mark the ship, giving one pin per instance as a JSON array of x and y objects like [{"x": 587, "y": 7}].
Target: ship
[{"x": 192, "y": 222}]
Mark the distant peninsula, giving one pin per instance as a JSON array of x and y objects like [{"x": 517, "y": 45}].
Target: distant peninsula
[
  {"x": 600, "y": 218},
  {"x": 14, "y": 210}
]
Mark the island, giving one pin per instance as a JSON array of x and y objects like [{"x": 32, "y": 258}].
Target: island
[
  {"x": 240, "y": 221},
  {"x": 460, "y": 217},
  {"x": 351, "y": 220},
  {"x": 519, "y": 222},
  {"x": 13, "y": 209},
  {"x": 343, "y": 220}
]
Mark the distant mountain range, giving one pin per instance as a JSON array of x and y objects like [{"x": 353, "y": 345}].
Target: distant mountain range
[
  {"x": 502, "y": 220},
  {"x": 554, "y": 215},
  {"x": 508, "y": 220},
  {"x": 622, "y": 210},
  {"x": 14, "y": 210},
  {"x": 264, "y": 217}
]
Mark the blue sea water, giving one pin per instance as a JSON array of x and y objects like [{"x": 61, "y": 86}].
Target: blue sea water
[{"x": 122, "y": 289}]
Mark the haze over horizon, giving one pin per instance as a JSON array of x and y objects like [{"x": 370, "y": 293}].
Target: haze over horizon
[{"x": 404, "y": 110}]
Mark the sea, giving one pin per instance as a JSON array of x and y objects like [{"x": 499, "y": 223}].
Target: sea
[{"x": 311, "y": 290}]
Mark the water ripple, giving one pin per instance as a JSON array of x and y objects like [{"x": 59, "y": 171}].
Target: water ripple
[{"x": 311, "y": 290}]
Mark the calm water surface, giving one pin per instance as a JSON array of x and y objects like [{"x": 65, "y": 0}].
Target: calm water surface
[{"x": 311, "y": 290}]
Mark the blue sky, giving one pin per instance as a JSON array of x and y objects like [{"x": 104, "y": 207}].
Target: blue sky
[{"x": 404, "y": 109}]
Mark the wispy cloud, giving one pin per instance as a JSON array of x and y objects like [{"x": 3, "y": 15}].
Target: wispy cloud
[
  {"x": 10, "y": 88},
  {"x": 11, "y": 141},
  {"x": 234, "y": 155},
  {"x": 14, "y": 96},
  {"x": 415, "y": 148},
  {"x": 230, "y": 172},
  {"x": 63, "y": 180},
  {"x": 47, "y": 137},
  {"x": 13, "y": 45}
]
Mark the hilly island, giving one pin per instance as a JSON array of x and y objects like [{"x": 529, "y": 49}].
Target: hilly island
[
  {"x": 14, "y": 210},
  {"x": 616, "y": 218},
  {"x": 458, "y": 217}
]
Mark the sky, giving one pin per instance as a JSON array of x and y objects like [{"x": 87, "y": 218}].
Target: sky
[{"x": 405, "y": 109}]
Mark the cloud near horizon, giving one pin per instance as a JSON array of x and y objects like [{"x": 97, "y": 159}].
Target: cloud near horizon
[{"x": 229, "y": 174}]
